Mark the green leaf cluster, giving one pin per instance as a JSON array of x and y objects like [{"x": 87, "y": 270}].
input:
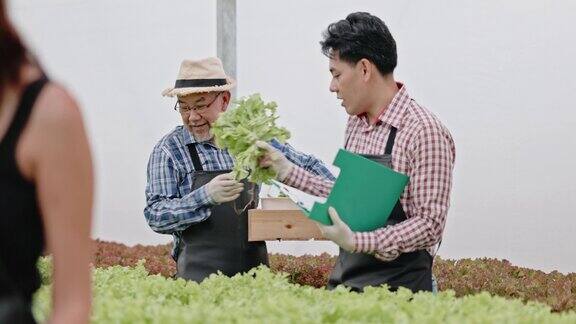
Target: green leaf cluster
[
  {"x": 131, "y": 295},
  {"x": 239, "y": 128}
]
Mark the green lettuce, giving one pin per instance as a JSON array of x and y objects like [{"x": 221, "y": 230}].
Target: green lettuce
[
  {"x": 239, "y": 128},
  {"x": 131, "y": 295}
]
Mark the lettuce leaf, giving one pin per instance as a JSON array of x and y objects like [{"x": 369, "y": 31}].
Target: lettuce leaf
[{"x": 237, "y": 130}]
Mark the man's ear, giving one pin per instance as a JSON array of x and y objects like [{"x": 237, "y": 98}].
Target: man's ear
[
  {"x": 366, "y": 68},
  {"x": 225, "y": 100}
]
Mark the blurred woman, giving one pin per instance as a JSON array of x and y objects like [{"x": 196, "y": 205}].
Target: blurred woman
[{"x": 46, "y": 188}]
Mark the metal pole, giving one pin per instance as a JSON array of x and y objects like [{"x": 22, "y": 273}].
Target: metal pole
[{"x": 226, "y": 36}]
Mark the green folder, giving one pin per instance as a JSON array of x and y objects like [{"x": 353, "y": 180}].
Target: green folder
[{"x": 364, "y": 193}]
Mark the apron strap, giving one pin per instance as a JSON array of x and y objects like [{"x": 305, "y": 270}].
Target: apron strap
[
  {"x": 195, "y": 157},
  {"x": 388, "y": 150},
  {"x": 391, "y": 138},
  {"x": 436, "y": 250}
]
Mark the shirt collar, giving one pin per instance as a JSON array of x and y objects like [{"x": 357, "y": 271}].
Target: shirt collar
[
  {"x": 392, "y": 115},
  {"x": 188, "y": 138}
]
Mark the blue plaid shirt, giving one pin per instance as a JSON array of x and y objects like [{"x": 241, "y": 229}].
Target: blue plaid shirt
[{"x": 171, "y": 204}]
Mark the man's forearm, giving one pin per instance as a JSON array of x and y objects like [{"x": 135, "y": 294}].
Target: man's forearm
[
  {"x": 303, "y": 180},
  {"x": 167, "y": 215}
]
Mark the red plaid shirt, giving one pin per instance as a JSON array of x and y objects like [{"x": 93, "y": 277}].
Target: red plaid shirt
[{"x": 423, "y": 150}]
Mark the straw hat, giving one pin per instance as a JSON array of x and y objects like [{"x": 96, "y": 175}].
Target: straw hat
[{"x": 205, "y": 75}]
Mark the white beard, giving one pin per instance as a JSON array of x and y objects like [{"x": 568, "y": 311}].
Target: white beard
[{"x": 204, "y": 137}]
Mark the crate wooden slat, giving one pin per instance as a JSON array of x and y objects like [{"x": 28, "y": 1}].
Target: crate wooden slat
[{"x": 287, "y": 225}]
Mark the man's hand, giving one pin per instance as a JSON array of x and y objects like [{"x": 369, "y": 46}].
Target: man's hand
[
  {"x": 338, "y": 232},
  {"x": 224, "y": 188},
  {"x": 274, "y": 159}
]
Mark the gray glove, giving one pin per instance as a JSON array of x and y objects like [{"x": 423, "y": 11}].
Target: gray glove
[
  {"x": 338, "y": 232},
  {"x": 276, "y": 160},
  {"x": 224, "y": 188}
]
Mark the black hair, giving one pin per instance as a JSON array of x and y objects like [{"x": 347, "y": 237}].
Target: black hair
[
  {"x": 12, "y": 52},
  {"x": 361, "y": 35}
]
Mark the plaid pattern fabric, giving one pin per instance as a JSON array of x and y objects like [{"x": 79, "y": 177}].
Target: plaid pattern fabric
[
  {"x": 423, "y": 150},
  {"x": 306, "y": 162},
  {"x": 171, "y": 204}
]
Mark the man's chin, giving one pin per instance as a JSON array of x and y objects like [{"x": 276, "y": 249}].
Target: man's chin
[{"x": 202, "y": 137}]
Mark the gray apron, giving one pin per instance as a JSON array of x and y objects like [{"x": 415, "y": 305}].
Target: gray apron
[
  {"x": 410, "y": 270},
  {"x": 220, "y": 243}
]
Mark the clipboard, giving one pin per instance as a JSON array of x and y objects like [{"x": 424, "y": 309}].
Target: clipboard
[{"x": 364, "y": 193}]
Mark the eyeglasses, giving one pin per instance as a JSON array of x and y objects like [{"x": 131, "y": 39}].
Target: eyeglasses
[{"x": 184, "y": 109}]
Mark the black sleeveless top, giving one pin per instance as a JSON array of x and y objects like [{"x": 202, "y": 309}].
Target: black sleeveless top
[{"x": 21, "y": 230}]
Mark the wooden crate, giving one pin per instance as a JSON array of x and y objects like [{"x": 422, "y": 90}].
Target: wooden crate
[{"x": 287, "y": 223}]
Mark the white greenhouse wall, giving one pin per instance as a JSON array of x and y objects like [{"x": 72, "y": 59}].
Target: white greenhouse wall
[{"x": 499, "y": 74}]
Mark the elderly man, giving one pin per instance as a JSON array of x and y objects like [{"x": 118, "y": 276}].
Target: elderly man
[
  {"x": 386, "y": 125},
  {"x": 190, "y": 193}
]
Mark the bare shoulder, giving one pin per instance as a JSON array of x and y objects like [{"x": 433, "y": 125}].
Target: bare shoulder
[
  {"x": 56, "y": 107},
  {"x": 56, "y": 120},
  {"x": 55, "y": 126}
]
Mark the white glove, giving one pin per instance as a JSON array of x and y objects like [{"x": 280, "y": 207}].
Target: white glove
[
  {"x": 276, "y": 160},
  {"x": 224, "y": 188},
  {"x": 338, "y": 232}
]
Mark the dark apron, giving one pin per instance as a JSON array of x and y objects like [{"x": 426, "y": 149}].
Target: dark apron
[
  {"x": 410, "y": 270},
  {"x": 220, "y": 243}
]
